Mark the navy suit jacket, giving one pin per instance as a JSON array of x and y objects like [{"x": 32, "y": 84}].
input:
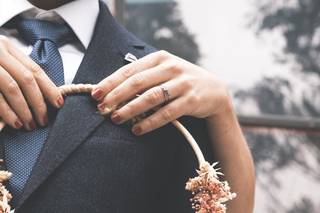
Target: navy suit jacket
[{"x": 88, "y": 164}]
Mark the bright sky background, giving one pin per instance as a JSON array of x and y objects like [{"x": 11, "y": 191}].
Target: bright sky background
[{"x": 229, "y": 47}]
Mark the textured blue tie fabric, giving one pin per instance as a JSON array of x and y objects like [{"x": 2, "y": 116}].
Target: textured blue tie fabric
[{"x": 22, "y": 148}]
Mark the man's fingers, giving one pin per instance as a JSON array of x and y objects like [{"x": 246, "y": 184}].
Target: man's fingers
[
  {"x": 163, "y": 116},
  {"x": 112, "y": 81},
  {"x": 29, "y": 87},
  {"x": 7, "y": 114},
  {"x": 145, "y": 102},
  {"x": 10, "y": 89},
  {"x": 49, "y": 90}
]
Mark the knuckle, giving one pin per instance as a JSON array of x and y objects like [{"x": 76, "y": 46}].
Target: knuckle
[
  {"x": 4, "y": 40},
  {"x": 40, "y": 106},
  {"x": 167, "y": 114},
  {"x": 192, "y": 100},
  {"x": 163, "y": 55},
  {"x": 174, "y": 67},
  {"x": 187, "y": 83},
  {"x": 28, "y": 79},
  {"x": 3, "y": 52},
  {"x": 106, "y": 83},
  {"x": 113, "y": 96},
  {"x": 147, "y": 124},
  {"x": 127, "y": 72},
  {"x": 137, "y": 81},
  {"x": 13, "y": 87},
  {"x": 36, "y": 69},
  {"x": 27, "y": 117},
  {"x": 154, "y": 97},
  {"x": 5, "y": 114}
]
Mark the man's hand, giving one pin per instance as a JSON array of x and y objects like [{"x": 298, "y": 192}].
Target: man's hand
[
  {"x": 22, "y": 84},
  {"x": 193, "y": 91}
]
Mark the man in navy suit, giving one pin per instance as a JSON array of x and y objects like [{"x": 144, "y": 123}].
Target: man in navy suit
[{"x": 84, "y": 162}]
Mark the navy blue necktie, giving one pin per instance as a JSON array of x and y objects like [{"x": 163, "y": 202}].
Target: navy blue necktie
[{"x": 22, "y": 148}]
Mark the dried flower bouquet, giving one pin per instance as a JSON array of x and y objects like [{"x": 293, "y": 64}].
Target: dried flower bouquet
[{"x": 5, "y": 196}]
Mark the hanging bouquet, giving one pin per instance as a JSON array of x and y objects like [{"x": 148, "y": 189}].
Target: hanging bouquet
[{"x": 5, "y": 196}]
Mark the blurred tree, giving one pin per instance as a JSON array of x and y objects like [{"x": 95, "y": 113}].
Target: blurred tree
[
  {"x": 300, "y": 22},
  {"x": 304, "y": 206},
  {"x": 272, "y": 96},
  {"x": 278, "y": 96},
  {"x": 160, "y": 25}
]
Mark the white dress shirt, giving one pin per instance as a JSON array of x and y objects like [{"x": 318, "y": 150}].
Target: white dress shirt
[{"x": 80, "y": 15}]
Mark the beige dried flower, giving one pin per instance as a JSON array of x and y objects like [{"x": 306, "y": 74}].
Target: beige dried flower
[
  {"x": 5, "y": 196},
  {"x": 4, "y": 176},
  {"x": 209, "y": 193}
]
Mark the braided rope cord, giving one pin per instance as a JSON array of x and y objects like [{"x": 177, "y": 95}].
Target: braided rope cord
[{"x": 87, "y": 88}]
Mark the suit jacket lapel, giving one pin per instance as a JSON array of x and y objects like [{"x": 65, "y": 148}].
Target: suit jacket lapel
[{"x": 79, "y": 117}]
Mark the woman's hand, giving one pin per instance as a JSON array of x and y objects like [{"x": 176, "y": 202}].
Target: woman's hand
[
  {"x": 190, "y": 90},
  {"x": 22, "y": 84}
]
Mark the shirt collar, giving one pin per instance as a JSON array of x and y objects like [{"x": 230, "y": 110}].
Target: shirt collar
[{"x": 81, "y": 15}]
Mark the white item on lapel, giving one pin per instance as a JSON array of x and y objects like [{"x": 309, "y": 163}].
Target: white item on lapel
[{"x": 130, "y": 57}]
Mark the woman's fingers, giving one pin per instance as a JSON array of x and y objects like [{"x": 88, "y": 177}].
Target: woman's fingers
[
  {"x": 147, "y": 101},
  {"x": 10, "y": 89},
  {"x": 24, "y": 84},
  {"x": 27, "y": 83},
  {"x": 163, "y": 116},
  {"x": 145, "y": 74},
  {"x": 49, "y": 90},
  {"x": 7, "y": 114},
  {"x": 125, "y": 72},
  {"x": 136, "y": 84}
]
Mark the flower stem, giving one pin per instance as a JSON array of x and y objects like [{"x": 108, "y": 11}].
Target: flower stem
[{"x": 191, "y": 141}]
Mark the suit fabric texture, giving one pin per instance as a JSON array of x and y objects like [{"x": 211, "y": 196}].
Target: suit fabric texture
[{"x": 88, "y": 164}]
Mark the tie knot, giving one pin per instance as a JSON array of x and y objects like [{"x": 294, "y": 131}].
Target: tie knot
[{"x": 33, "y": 30}]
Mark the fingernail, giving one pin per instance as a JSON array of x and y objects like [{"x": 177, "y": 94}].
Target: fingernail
[
  {"x": 45, "y": 120},
  {"x": 137, "y": 130},
  {"x": 104, "y": 110},
  {"x": 18, "y": 124},
  {"x": 115, "y": 117},
  {"x": 31, "y": 126},
  {"x": 101, "y": 106},
  {"x": 97, "y": 94},
  {"x": 60, "y": 101}
]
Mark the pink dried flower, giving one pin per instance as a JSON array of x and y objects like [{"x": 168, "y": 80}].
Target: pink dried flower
[
  {"x": 209, "y": 193},
  {"x": 5, "y": 196}
]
